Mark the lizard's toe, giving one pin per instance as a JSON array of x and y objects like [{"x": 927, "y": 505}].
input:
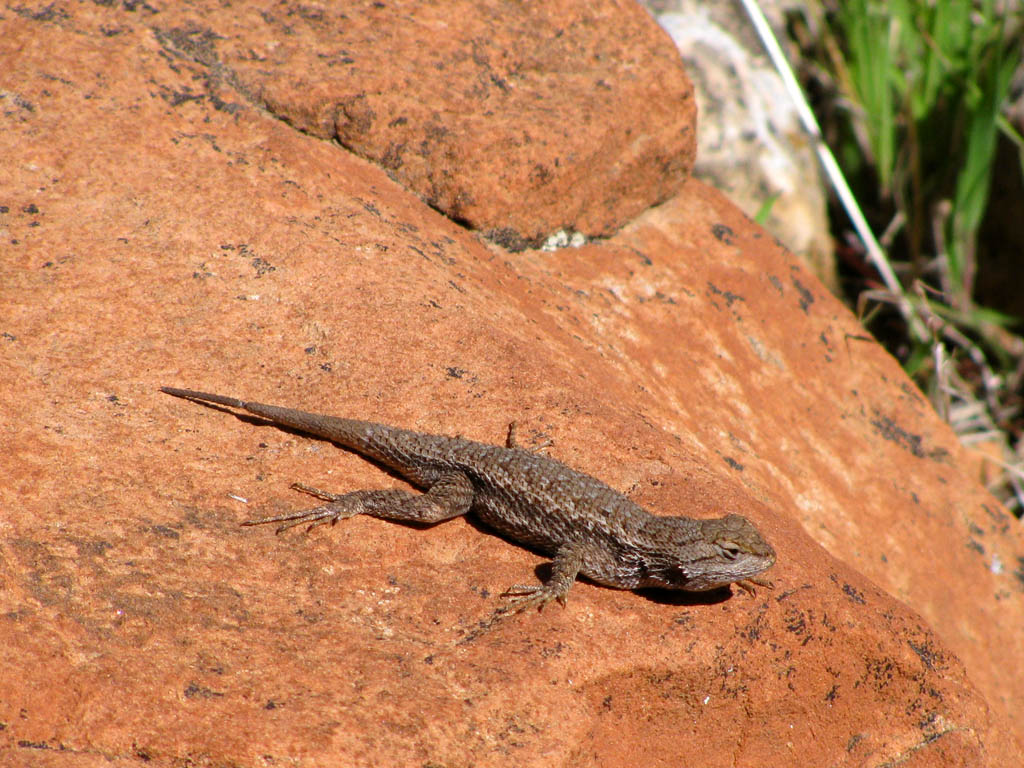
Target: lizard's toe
[{"x": 522, "y": 597}]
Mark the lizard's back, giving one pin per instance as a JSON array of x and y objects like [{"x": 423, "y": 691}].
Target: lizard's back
[{"x": 530, "y": 498}]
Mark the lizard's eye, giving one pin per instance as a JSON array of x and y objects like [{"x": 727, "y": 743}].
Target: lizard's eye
[{"x": 729, "y": 550}]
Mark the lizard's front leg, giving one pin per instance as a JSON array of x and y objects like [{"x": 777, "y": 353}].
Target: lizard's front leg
[{"x": 564, "y": 567}]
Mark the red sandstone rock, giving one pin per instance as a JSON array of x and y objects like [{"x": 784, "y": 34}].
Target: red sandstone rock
[
  {"x": 515, "y": 118},
  {"x": 158, "y": 229}
]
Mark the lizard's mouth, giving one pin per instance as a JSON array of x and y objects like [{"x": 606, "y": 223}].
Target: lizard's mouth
[{"x": 710, "y": 573}]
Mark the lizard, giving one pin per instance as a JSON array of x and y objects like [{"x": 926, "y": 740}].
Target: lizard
[{"x": 584, "y": 525}]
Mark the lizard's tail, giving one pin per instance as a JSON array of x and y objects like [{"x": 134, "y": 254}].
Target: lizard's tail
[
  {"x": 347, "y": 432},
  {"x": 206, "y": 397}
]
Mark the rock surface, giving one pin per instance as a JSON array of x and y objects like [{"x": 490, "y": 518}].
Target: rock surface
[
  {"x": 516, "y": 118},
  {"x": 157, "y": 228}
]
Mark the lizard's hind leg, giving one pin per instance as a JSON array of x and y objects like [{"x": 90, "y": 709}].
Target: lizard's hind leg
[
  {"x": 339, "y": 507},
  {"x": 451, "y": 496}
]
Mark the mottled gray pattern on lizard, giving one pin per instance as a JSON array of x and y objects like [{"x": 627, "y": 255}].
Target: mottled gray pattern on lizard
[{"x": 582, "y": 524}]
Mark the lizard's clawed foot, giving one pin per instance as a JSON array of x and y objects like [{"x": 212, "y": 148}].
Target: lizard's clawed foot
[
  {"x": 747, "y": 585},
  {"x": 522, "y": 597},
  {"x": 512, "y": 441},
  {"x": 322, "y": 515},
  {"x": 319, "y": 516}
]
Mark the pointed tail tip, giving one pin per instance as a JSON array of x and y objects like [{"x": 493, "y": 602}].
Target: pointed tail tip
[
  {"x": 188, "y": 393},
  {"x": 204, "y": 397}
]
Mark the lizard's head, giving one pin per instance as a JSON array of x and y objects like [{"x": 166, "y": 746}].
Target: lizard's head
[{"x": 727, "y": 549}]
